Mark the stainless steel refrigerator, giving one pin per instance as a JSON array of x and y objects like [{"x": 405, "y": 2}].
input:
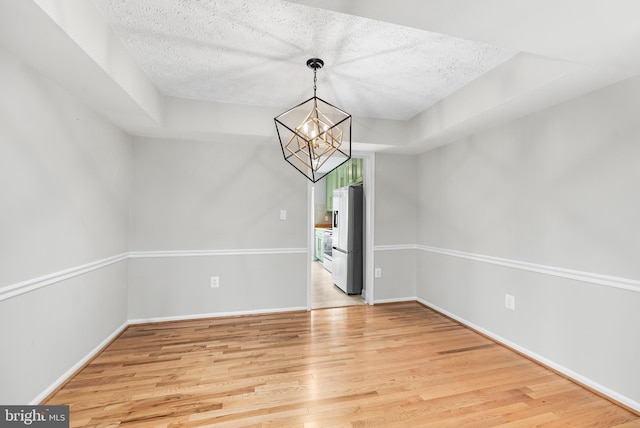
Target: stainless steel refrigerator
[{"x": 348, "y": 222}]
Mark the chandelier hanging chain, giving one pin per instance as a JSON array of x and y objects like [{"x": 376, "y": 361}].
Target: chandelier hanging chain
[
  {"x": 315, "y": 80},
  {"x": 315, "y": 64}
]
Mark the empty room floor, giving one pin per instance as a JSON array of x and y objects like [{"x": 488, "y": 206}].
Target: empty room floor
[
  {"x": 391, "y": 365},
  {"x": 324, "y": 294}
]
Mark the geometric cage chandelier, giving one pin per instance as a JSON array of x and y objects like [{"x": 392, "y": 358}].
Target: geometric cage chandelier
[{"x": 315, "y": 136}]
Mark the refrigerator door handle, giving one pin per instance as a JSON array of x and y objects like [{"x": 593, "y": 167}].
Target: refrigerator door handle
[
  {"x": 340, "y": 250},
  {"x": 335, "y": 219}
]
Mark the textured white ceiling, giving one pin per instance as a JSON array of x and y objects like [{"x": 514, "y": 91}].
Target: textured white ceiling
[{"x": 254, "y": 52}]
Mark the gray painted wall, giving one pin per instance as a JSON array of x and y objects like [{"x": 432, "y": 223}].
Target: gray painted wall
[
  {"x": 65, "y": 178},
  {"x": 395, "y": 226},
  {"x": 179, "y": 287},
  {"x": 218, "y": 198},
  {"x": 395, "y": 210},
  {"x": 558, "y": 189}
]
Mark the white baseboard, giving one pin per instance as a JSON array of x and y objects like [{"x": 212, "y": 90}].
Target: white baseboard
[
  {"x": 395, "y": 300},
  {"x": 77, "y": 366},
  {"x": 215, "y": 315},
  {"x": 577, "y": 377}
]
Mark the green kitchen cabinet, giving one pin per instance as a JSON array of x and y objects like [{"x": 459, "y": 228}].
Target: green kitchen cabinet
[
  {"x": 355, "y": 171},
  {"x": 348, "y": 174},
  {"x": 330, "y": 180},
  {"x": 342, "y": 175}
]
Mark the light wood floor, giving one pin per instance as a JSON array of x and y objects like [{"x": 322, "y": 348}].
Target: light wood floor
[
  {"x": 324, "y": 294},
  {"x": 395, "y": 365}
]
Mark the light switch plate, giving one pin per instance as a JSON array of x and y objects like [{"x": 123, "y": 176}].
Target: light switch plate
[{"x": 510, "y": 302}]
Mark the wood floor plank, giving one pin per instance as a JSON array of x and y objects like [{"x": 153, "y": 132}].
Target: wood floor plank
[{"x": 389, "y": 365}]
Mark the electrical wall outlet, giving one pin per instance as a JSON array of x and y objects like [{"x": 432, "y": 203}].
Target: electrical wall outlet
[
  {"x": 215, "y": 281},
  {"x": 510, "y": 302},
  {"x": 283, "y": 214},
  {"x": 377, "y": 272}
]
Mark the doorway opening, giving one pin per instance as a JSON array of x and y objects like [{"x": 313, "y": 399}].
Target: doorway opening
[{"x": 321, "y": 289}]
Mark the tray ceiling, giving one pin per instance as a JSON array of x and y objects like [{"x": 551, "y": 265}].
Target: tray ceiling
[{"x": 254, "y": 53}]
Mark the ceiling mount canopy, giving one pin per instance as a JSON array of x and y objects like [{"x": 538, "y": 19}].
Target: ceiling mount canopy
[
  {"x": 315, "y": 136},
  {"x": 315, "y": 64}
]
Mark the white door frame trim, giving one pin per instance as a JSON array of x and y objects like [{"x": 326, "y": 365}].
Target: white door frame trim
[{"x": 369, "y": 200}]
